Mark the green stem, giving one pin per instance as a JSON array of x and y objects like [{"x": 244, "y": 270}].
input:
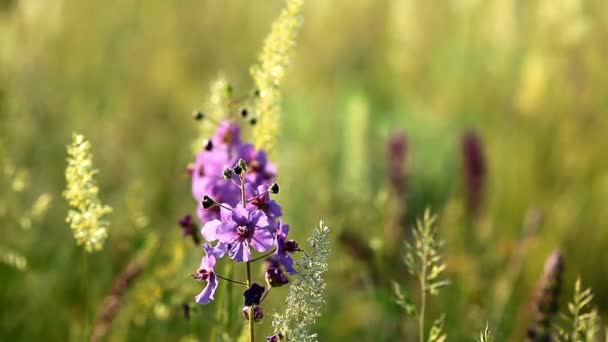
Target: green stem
[
  {"x": 251, "y": 327},
  {"x": 423, "y": 296},
  {"x": 85, "y": 272}
]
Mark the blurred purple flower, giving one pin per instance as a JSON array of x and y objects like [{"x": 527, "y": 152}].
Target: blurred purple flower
[
  {"x": 240, "y": 228},
  {"x": 274, "y": 275},
  {"x": 260, "y": 170},
  {"x": 474, "y": 165},
  {"x": 285, "y": 247},
  {"x": 189, "y": 228},
  {"x": 206, "y": 272},
  {"x": 396, "y": 156}
]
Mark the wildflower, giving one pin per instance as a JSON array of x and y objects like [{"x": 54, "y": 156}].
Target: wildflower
[
  {"x": 261, "y": 171},
  {"x": 274, "y": 275},
  {"x": 547, "y": 300},
  {"x": 253, "y": 295},
  {"x": 90, "y": 229},
  {"x": 240, "y": 228},
  {"x": 189, "y": 228},
  {"x": 396, "y": 156},
  {"x": 285, "y": 247},
  {"x": 206, "y": 272},
  {"x": 260, "y": 199},
  {"x": 474, "y": 164},
  {"x": 258, "y": 314}
]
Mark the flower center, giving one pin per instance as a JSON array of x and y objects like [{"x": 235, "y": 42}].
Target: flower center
[
  {"x": 244, "y": 231},
  {"x": 255, "y": 165},
  {"x": 202, "y": 274}
]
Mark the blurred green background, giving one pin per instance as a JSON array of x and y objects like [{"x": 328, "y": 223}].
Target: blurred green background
[{"x": 529, "y": 77}]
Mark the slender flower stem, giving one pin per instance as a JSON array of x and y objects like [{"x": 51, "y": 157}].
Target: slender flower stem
[
  {"x": 232, "y": 281},
  {"x": 265, "y": 294},
  {"x": 263, "y": 256},
  {"x": 251, "y": 327}
]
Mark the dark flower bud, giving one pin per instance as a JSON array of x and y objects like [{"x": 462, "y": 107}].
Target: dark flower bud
[
  {"x": 208, "y": 144},
  {"x": 253, "y": 294},
  {"x": 253, "y": 121},
  {"x": 258, "y": 314},
  {"x": 207, "y": 202},
  {"x": 275, "y": 338},
  {"x": 291, "y": 246},
  {"x": 274, "y": 275},
  {"x": 198, "y": 115},
  {"x": 256, "y": 92},
  {"x": 274, "y": 188},
  {"x": 244, "y": 112},
  {"x": 237, "y": 170},
  {"x": 228, "y": 173},
  {"x": 242, "y": 164}
]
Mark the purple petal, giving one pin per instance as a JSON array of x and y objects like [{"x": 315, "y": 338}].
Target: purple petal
[
  {"x": 226, "y": 232},
  {"x": 288, "y": 262},
  {"x": 240, "y": 251},
  {"x": 240, "y": 215},
  {"x": 206, "y": 295},
  {"x": 209, "y": 230},
  {"x": 259, "y": 219},
  {"x": 220, "y": 250},
  {"x": 262, "y": 240}
]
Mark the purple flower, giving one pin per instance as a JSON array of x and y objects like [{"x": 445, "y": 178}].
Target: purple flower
[
  {"x": 206, "y": 272},
  {"x": 239, "y": 228},
  {"x": 259, "y": 169},
  {"x": 396, "y": 156},
  {"x": 189, "y": 228},
  {"x": 260, "y": 199},
  {"x": 228, "y": 134},
  {"x": 474, "y": 164},
  {"x": 274, "y": 275},
  {"x": 258, "y": 314},
  {"x": 253, "y": 295},
  {"x": 285, "y": 247},
  {"x": 223, "y": 191}
]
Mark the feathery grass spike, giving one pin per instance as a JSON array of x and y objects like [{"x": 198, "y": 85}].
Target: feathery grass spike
[
  {"x": 424, "y": 260},
  {"x": 305, "y": 297},
  {"x": 86, "y": 218},
  {"x": 270, "y": 71},
  {"x": 582, "y": 321}
]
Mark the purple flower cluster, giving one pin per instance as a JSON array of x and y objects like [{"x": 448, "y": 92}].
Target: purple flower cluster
[{"x": 233, "y": 182}]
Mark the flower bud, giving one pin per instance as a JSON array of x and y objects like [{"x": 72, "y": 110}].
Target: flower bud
[
  {"x": 274, "y": 188},
  {"x": 244, "y": 112},
  {"x": 208, "y": 144},
  {"x": 253, "y": 121},
  {"x": 198, "y": 115},
  {"x": 228, "y": 173},
  {"x": 242, "y": 164},
  {"x": 207, "y": 202},
  {"x": 258, "y": 314}
]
